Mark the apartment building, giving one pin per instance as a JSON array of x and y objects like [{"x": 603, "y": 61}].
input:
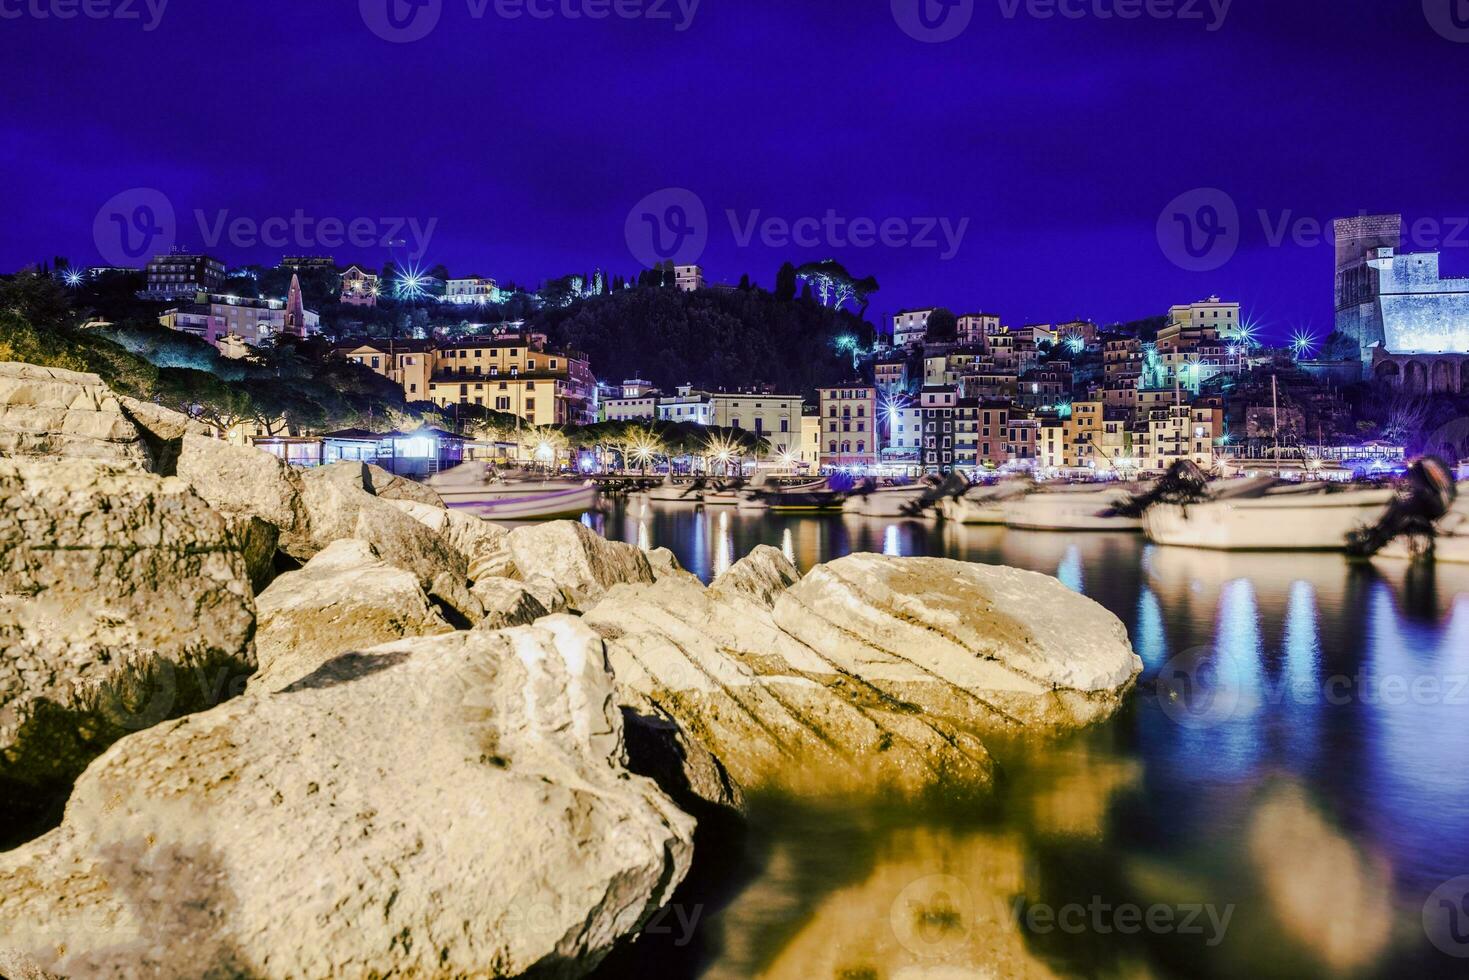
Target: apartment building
[
  {"x": 775, "y": 418},
  {"x": 849, "y": 439}
]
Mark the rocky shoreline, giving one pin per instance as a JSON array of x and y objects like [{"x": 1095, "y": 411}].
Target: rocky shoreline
[{"x": 313, "y": 723}]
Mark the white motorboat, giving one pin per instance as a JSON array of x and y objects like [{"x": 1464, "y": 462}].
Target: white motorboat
[
  {"x": 672, "y": 491},
  {"x": 1243, "y": 517},
  {"x": 475, "y": 488},
  {"x": 1071, "y": 507},
  {"x": 984, "y": 505},
  {"x": 1450, "y": 544},
  {"x": 886, "y": 502}
]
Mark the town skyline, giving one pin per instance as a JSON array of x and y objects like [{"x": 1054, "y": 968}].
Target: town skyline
[{"x": 1062, "y": 218}]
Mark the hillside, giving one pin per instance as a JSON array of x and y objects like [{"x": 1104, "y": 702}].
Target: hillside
[{"x": 712, "y": 339}]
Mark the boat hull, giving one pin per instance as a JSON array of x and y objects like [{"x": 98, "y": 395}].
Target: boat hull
[
  {"x": 887, "y": 502},
  {"x": 541, "y": 504},
  {"x": 1068, "y": 512},
  {"x": 1290, "y": 522}
]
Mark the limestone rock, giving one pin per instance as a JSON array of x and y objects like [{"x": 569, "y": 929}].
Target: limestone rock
[
  {"x": 346, "y": 598},
  {"x": 774, "y": 713},
  {"x": 123, "y": 601},
  {"x": 511, "y": 602},
  {"x": 454, "y": 806},
  {"x": 338, "y": 507},
  {"x": 583, "y": 563},
  {"x": 761, "y": 576},
  {"x": 162, "y": 430},
  {"x": 242, "y": 481},
  {"x": 665, "y": 564},
  {"x": 257, "y": 542},
  {"x": 49, "y": 413},
  {"x": 483, "y": 544},
  {"x": 982, "y": 646}
]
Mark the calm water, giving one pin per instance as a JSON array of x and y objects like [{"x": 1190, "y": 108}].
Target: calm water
[{"x": 1285, "y": 796}]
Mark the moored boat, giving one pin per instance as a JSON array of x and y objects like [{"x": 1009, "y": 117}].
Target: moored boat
[
  {"x": 1246, "y": 517},
  {"x": 672, "y": 491},
  {"x": 983, "y": 505},
  {"x": 475, "y": 489},
  {"x": 1071, "y": 507},
  {"x": 906, "y": 501}
]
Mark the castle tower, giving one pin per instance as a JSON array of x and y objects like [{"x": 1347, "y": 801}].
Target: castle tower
[{"x": 1358, "y": 310}]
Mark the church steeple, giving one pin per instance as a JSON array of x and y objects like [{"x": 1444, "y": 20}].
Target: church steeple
[{"x": 295, "y": 309}]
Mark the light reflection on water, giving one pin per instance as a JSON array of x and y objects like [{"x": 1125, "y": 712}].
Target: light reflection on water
[{"x": 1325, "y": 801}]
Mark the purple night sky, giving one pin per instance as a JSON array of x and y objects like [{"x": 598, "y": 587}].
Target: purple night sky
[{"x": 529, "y": 140}]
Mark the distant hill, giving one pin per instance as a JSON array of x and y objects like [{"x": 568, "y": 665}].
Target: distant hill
[{"x": 710, "y": 338}]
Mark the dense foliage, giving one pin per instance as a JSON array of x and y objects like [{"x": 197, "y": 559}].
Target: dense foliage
[{"x": 711, "y": 338}]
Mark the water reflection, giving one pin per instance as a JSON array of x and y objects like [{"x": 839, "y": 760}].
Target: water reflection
[{"x": 1325, "y": 804}]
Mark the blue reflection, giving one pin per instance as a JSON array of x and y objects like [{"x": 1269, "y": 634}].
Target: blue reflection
[
  {"x": 891, "y": 545},
  {"x": 1070, "y": 571},
  {"x": 1149, "y": 640}
]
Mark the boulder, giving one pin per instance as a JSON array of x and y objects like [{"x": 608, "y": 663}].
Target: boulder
[
  {"x": 484, "y": 545},
  {"x": 454, "y": 806},
  {"x": 242, "y": 481},
  {"x": 258, "y": 542},
  {"x": 508, "y": 602},
  {"x": 771, "y": 711},
  {"x": 346, "y": 598},
  {"x": 162, "y": 430},
  {"x": 123, "y": 601},
  {"x": 338, "y": 507},
  {"x": 760, "y": 576},
  {"x": 985, "y": 647},
  {"x": 583, "y": 563},
  {"x": 50, "y": 412},
  {"x": 665, "y": 564}
]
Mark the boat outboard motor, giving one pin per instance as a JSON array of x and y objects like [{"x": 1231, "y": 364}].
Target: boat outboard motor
[
  {"x": 1424, "y": 495},
  {"x": 1184, "y": 483},
  {"x": 937, "y": 490}
]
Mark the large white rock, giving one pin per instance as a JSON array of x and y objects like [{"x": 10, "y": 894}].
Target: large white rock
[
  {"x": 510, "y": 602},
  {"x": 123, "y": 601},
  {"x": 583, "y": 563},
  {"x": 484, "y": 545},
  {"x": 242, "y": 481},
  {"x": 983, "y": 646},
  {"x": 346, "y": 598},
  {"x": 162, "y": 431},
  {"x": 49, "y": 412},
  {"x": 455, "y": 806},
  {"x": 338, "y": 507},
  {"x": 773, "y": 712},
  {"x": 761, "y": 576}
]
